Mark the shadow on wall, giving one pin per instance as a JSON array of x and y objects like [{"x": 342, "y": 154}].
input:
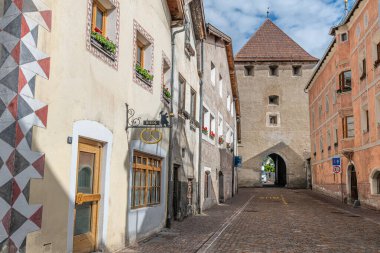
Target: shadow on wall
[{"x": 250, "y": 174}]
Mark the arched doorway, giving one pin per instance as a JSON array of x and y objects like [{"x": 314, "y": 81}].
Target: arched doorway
[
  {"x": 274, "y": 171},
  {"x": 353, "y": 183},
  {"x": 221, "y": 187}
]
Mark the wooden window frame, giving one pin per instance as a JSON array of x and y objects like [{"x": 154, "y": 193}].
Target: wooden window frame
[
  {"x": 345, "y": 127},
  {"x": 96, "y": 5},
  {"x": 342, "y": 81},
  {"x": 141, "y": 46},
  {"x": 153, "y": 164}
]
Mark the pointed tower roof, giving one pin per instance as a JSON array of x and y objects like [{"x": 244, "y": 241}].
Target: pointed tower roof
[{"x": 270, "y": 43}]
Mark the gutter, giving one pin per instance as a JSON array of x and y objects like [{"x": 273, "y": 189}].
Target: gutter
[
  {"x": 200, "y": 125},
  {"x": 169, "y": 216}
]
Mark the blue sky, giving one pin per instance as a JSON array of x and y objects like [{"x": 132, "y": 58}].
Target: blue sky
[{"x": 306, "y": 21}]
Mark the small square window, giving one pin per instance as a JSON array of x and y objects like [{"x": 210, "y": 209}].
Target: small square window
[
  {"x": 248, "y": 70},
  {"x": 274, "y": 100},
  {"x": 273, "y": 120},
  {"x": 273, "y": 70},
  {"x": 344, "y": 37},
  {"x": 297, "y": 71}
]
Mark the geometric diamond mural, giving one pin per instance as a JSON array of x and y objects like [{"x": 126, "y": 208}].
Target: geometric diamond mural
[{"x": 20, "y": 63}]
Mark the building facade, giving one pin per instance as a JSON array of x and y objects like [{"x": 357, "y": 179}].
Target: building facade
[
  {"x": 219, "y": 129},
  {"x": 81, "y": 182},
  {"x": 272, "y": 71},
  {"x": 345, "y": 109}
]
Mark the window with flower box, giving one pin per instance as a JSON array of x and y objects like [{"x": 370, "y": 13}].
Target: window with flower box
[
  {"x": 103, "y": 32},
  {"x": 221, "y": 136},
  {"x": 143, "y": 58},
  {"x": 205, "y": 120},
  {"x": 166, "y": 86},
  {"x": 193, "y": 104},
  {"x": 212, "y": 133}
]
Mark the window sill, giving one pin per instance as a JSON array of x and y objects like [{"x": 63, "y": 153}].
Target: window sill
[
  {"x": 144, "y": 207},
  {"x": 142, "y": 79},
  {"x": 99, "y": 47}
]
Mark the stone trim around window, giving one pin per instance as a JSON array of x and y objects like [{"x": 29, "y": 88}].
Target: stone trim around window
[
  {"x": 95, "y": 48},
  {"x": 138, "y": 28},
  {"x": 166, "y": 60}
]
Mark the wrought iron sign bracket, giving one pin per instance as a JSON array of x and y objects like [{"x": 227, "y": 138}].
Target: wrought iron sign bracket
[{"x": 137, "y": 122}]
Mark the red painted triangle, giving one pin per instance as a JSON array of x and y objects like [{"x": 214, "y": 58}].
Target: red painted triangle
[
  {"x": 19, "y": 134},
  {"x": 19, "y": 4},
  {"x": 21, "y": 81},
  {"x": 46, "y": 15},
  {"x": 11, "y": 162},
  {"x": 16, "y": 191},
  {"x": 16, "y": 53},
  {"x": 39, "y": 165},
  {"x": 12, "y": 107},
  {"x": 45, "y": 65},
  {"x": 42, "y": 114},
  {"x": 36, "y": 218},
  {"x": 24, "y": 27},
  {"x": 7, "y": 220}
]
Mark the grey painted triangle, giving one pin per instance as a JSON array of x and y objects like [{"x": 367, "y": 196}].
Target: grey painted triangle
[
  {"x": 34, "y": 33},
  {"x": 2, "y": 109},
  {"x": 29, "y": 6},
  {"x": 4, "y": 54},
  {"x": 23, "y": 108},
  {"x": 11, "y": 80},
  {"x": 26, "y": 56},
  {"x": 9, "y": 135},
  {"x": 29, "y": 136},
  {"x": 32, "y": 84},
  {"x": 20, "y": 163},
  {"x": 6, "y": 192},
  {"x": 14, "y": 27},
  {"x": 17, "y": 220},
  {"x": 26, "y": 191},
  {"x": 7, "y": 4}
]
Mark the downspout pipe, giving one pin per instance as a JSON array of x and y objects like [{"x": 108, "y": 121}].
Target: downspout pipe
[
  {"x": 169, "y": 215},
  {"x": 200, "y": 131}
]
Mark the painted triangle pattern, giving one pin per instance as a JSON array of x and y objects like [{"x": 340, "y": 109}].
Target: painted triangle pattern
[{"x": 20, "y": 63}]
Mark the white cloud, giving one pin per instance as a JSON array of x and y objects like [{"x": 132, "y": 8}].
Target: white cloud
[{"x": 307, "y": 22}]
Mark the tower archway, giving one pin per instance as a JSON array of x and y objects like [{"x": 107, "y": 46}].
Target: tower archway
[{"x": 278, "y": 165}]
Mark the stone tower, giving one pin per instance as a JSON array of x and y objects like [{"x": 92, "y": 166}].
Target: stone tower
[{"x": 272, "y": 71}]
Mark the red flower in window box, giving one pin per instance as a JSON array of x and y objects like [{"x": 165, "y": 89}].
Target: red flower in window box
[
  {"x": 205, "y": 130},
  {"x": 98, "y": 30},
  {"x": 221, "y": 139},
  {"x": 212, "y": 134}
]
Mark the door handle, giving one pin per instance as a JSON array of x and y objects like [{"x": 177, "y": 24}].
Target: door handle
[{"x": 81, "y": 198}]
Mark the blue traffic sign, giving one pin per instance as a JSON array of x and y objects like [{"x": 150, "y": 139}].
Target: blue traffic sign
[{"x": 336, "y": 161}]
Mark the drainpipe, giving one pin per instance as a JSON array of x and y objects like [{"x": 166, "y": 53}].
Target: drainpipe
[
  {"x": 200, "y": 132},
  {"x": 170, "y": 156}
]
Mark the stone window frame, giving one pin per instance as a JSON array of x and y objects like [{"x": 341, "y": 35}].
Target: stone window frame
[
  {"x": 249, "y": 70},
  {"x": 374, "y": 180},
  {"x": 165, "y": 60},
  {"x": 342, "y": 39},
  {"x": 273, "y": 114},
  {"x": 273, "y": 71},
  {"x": 137, "y": 28},
  {"x": 296, "y": 73},
  {"x": 95, "y": 50},
  {"x": 365, "y": 120}
]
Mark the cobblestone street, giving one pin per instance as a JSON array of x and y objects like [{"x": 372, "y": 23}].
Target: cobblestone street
[{"x": 272, "y": 220}]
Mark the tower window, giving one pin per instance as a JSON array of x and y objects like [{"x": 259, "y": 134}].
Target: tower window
[
  {"x": 344, "y": 37},
  {"x": 273, "y": 70},
  {"x": 274, "y": 100},
  {"x": 248, "y": 70},
  {"x": 273, "y": 120},
  {"x": 297, "y": 70}
]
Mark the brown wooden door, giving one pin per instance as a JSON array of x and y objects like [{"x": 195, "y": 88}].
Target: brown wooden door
[{"x": 87, "y": 197}]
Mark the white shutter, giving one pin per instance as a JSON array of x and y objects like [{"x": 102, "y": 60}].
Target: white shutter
[{"x": 188, "y": 98}]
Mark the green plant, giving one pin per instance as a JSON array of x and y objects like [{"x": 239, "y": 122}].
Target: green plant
[
  {"x": 167, "y": 93},
  {"x": 104, "y": 42},
  {"x": 145, "y": 73}
]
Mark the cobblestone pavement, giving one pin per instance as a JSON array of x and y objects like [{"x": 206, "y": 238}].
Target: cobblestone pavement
[{"x": 272, "y": 220}]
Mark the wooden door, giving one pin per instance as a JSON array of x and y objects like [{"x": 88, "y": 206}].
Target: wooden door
[{"x": 87, "y": 197}]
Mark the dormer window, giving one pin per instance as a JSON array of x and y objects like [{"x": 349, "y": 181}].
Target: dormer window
[
  {"x": 273, "y": 70},
  {"x": 344, "y": 37}
]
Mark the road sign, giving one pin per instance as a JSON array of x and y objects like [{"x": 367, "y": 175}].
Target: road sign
[
  {"x": 336, "y": 161},
  {"x": 337, "y": 169}
]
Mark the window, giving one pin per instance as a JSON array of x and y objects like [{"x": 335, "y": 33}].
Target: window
[
  {"x": 334, "y": 94},
  {"x": 220, "y": 86},
  {"x": 377, "y": 105},
  {"x": 146, "y": 180},
  {"x": 274, "y": 100},
  {"x": 182, "y": 94},
  {"x": 320, "y": 110},
  {"x": 143, "y": 58},
  {"x": 220, "y": 125},
  {"x": 328, "y": 140},
  {"x": 327, "y": 103},
  {"x": 248, "y": 70},
  {"x": 207, "y": 184},
  {"x": 377, "y": 61},
  {"x": 228, "y": 102},
  {"x": 193, "y": 104},
  {"x": 297, "y": 71},
  {"x": 213, "y": 74},
  {"x": 375, "y": 181},
  {"x": 273, "y": 70},
  {"x": 348, "y": 127},
  {"x": 140, "y": 54},
  {"x": 336, "y": 136},
  {"x": 232, "y": 108},
  {"x": 363, "y": 69},
  {"x": 345, "y": 81},
  {"x": 273, "y": 120},
  {"x": 99, "y": 18},
  {"x": 166, "y": 85},
  {"x": 344, "y": 37},
  {"x": 212, "y": 127},
  {"x": 204, "y": 119},
  {"x": 378, "y": 183},
  {"x": 321, "y": 143},
  {"x": 365, "y": 119}
]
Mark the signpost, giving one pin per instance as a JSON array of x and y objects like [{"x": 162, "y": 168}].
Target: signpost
[{"x": 337, "y": 169}]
